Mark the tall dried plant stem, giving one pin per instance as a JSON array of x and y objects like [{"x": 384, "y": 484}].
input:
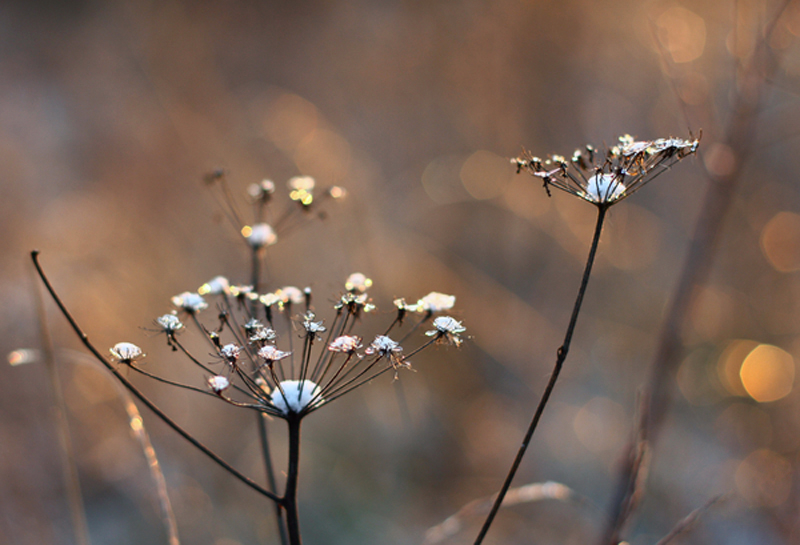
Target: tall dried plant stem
[
  {"x": 561, "y": 356},
  {"x": 289, "y": 500}
]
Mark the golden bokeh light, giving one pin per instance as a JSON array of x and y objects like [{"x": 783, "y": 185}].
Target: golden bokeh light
[
  {"x": 767, "y": 373},
  {"x": 682, "y": 33},
  {"x": 730, "y": 363},
  {"x": 780, "y": 241},
  {"x": 486, "y": 175}
]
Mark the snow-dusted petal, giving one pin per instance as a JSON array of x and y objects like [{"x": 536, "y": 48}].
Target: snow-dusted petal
[
  {"x": 604, "y": 188},
  {"x": 215, "y": 286},
  {"x": 271, "y": 354}
]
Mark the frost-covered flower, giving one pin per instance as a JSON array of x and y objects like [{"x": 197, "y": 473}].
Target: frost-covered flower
[
  {"x": 260, "y": 235},
  {"x": 435, "y": 302},
  {"x": 126, "y": 352},
  {"x": 447, "y": 329},
  {"x": 346, "y": 343},
  {"x": 230, "y": 353},
  {"x": 215, "y": 286},
  {"x": 312, "y": 327},
  {"x": 218, "y": 384},
  {"x": 358, "y": 282},
  {"x": 243, "y": 292},
  {"x": 190, "y": 302},
  {"x": 294, "y": 396},
  {"x": 270, "y": 354},
  {"x": 606, "y": 178},
  {"x": 355, "y": 303},
  {"x": 169, "y": 323}
]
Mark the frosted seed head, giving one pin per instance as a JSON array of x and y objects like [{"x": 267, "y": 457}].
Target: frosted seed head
[
  {"x": 126, "y": 352},
  {"x": 347, "y": 344},
  {"x": 190, "y": 302},
  {"x": 218, "y": 384}
]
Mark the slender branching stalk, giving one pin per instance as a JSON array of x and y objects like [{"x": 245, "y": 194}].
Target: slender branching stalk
[
  {"x": 561, "y": 356},
  {"x": 138, "y": 394}
]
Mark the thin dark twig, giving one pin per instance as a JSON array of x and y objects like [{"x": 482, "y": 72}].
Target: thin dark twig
[
  {"x": 138, "y": 394},
  {"x": 560, "y": 358}
]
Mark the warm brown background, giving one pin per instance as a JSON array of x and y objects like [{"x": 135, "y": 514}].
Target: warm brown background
[{"x": 110, "y": 112}]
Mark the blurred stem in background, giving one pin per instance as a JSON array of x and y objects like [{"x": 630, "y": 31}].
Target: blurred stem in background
[{"x": 736, "y": 144}]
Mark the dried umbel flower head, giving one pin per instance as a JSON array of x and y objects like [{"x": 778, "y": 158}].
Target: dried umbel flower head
[
  {"x": 265, "y": 370},
  {"x": 126, "y": 353},
  {"x": 604, "y": 178},
  {"x": 189, "y": 302},
  {"x": 259, "y": 235}
]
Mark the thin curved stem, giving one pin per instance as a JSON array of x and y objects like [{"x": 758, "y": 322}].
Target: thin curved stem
[
  {"x": 561, "y": 356},
  {"x": 138, "y": 394}
]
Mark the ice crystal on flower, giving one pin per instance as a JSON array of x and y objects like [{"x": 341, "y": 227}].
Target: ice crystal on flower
[
  {"x": 312, "y": 327},
  {"x": 230, "y": 353}
]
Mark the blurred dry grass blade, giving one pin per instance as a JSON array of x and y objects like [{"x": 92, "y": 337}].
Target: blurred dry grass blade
[
  {"x": 524, "y": 494},
  {"x": 689, "y": 521},
  {"x": 738, "y": 138},
  {"x": 23, "y": 356}
]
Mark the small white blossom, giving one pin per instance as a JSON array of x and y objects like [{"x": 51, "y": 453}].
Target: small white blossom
[
  {"x": 312, "y": 327},
  {"x": 358, "y": 282},
  {"x": 346, "y": 343},
  {"x": 260, "y": 235},
  {"x": 230, "y": 352},
  {"x": 435, "y": 302},
  {"x": 293, "y": 396},
  {"x": 190, "y": 302},
  {"x": 169, "y": 323},
  {"x": 215, "y": 286},
  {"x": 355, "y": 302},
  {"x": 447, "y": 328},
  {"x": 126, "y": 352},
  {"x": 383, "y": 346},
  {"x": 269, "y": 299},
  {"x": 271, "y": 354},
  {"x": 218, "y": 384}
]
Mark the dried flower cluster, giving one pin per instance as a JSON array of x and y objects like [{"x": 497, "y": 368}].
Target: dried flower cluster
[
  {"x": 606, "y": 178},
  {"x": 279, "y": 375}
]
